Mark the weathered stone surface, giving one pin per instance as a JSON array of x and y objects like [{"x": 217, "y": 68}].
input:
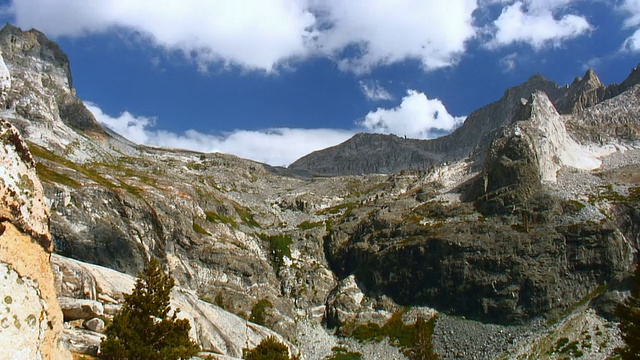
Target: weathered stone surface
[
  {"x": 584, "y": 92},
  {"x": 30, "y": 320},
  {"x": 82, "y": 341},
  {"x": 21, "y": 195},
  {"x": 94, "y": 324},
  {"x": 74, "y": 309},
  {"x": 348, "y": 305}
]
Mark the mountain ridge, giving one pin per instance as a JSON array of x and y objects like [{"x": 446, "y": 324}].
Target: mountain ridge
[{"x": 470, "y": 140}]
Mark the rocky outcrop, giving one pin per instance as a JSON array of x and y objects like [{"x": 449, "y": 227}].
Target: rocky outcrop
[
  {"x": 614, "y": 122},
  {"x": 584, "y": 92},
  {"x": 527, "y": 154},
  {"x": 25, "y": 50},
  {"x": 30, "y": 319},
  {"x": 499, "y": 270},
  {"x": 21, "y": 196},
  {"x": 375, "y": 153},
  {"x": 38, "y": 97}
]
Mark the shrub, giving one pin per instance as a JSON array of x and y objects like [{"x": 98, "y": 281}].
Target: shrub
[
  {"x": 259, "y": 311},
  {"x": 268, "y": 349},
  {"x": 340, "y": 353},
  {"x": 143, "y": 328}
]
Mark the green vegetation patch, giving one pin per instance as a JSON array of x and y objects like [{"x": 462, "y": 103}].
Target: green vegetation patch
[
  {"x": 43, "y": 153},
  {"x": 307, "y": 225},
  {"x": 606, "y": 192},
  {"x": 246, "y": 216},
  {"x": 279, "y": 245},
  {"x": 259, "y": 312},
  {"x": 268, "y": 349},
  {"x": 214, "y": 217},
  {"x": 47, "y": 174},
  {"x": 415, "y": 340},
  {"x": 599, "y": 290},
  {"x": 340, "y": 353},
  {"x": 347, "y": 207},
  {"x": 199, "y": 229}
]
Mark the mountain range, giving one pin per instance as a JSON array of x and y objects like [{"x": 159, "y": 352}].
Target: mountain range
[{"x": 515, "y": 232}]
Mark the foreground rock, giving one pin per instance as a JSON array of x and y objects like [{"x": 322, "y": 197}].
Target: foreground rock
[{"x": 30, "y": 317}]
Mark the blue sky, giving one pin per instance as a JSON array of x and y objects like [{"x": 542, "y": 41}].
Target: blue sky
[{"x": 272, "y": 80}]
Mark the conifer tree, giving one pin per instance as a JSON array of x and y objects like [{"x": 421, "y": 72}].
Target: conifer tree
[
  {"x": 268, "y": 349},
  {"x": 629, "y": 314},
  {"x": 144, "y": 328}
]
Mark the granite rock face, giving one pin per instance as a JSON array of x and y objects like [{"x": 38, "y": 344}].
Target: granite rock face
[{"x": 30, "y": 317}]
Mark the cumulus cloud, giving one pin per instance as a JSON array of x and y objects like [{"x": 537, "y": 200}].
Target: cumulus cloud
[
  {"x": 631, "y": 9},
  {"x": 279, "y": 146},
  {"x": 256, "y": 34},
  {"x": 373, "y": 91},
  {"x": 415, "y": 117},
  {"x": 537, "y": 23},
  {"x": 632, "y": 43},
  {"x": 363, "y": 34},
  {"x": 134, "y": 128},
  {"x": 266, "y": 34}
]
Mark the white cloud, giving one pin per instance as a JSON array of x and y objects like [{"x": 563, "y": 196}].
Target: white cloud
[
  {"x": 279, "y": 146},
  {"x": 536, "y": 23},
  {"x": 266, "y": 34},
  {"x": 364, "y": 34},
  {"x": 508, "y": 62},
  {"x": 373, "y": 91},
  {"x": 416, "y": 117},
  {"x": 631, "y": 8},
  {"x": 255, "y": 34},
  {"x": 132, "y": 127},
  {"x": 632, "y": 43}
]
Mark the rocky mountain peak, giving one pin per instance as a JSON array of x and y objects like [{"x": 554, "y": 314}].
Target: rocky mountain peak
[
  {"x": 633, "y": 79},
  {"x": 584, "y": 92},
  {"x": 33, "y": 49},
  {"x": 36, "y": 80}
]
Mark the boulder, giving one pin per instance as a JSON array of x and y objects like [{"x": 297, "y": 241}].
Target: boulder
[
  {"x": 80, "y": 308},
  {"x": 94, "y": 324},
  {"x": 82, "y": 341}
]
